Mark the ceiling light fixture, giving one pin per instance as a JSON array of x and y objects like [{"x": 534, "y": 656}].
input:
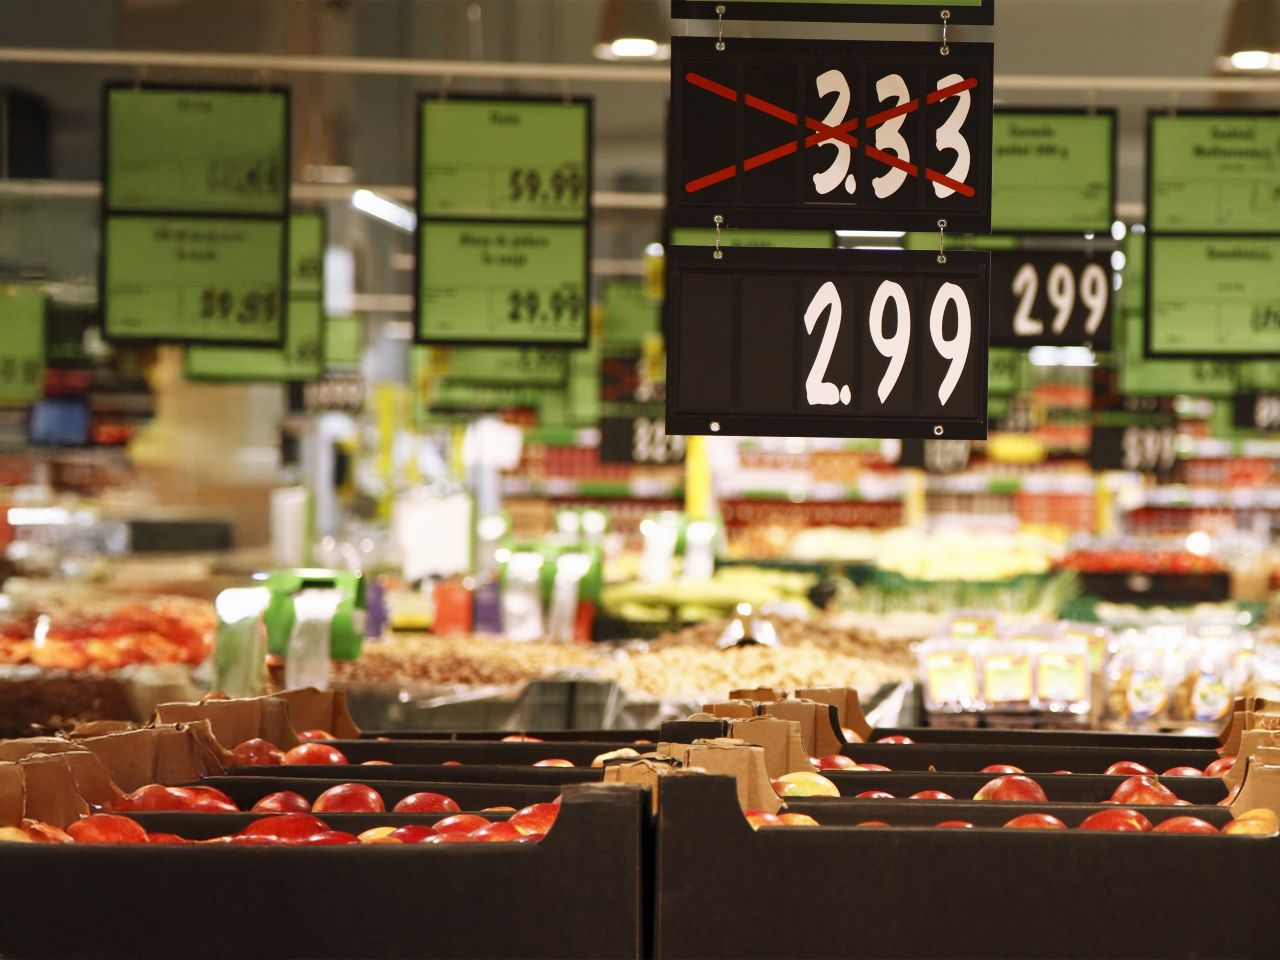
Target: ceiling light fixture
[
  {"x": 1252, "y": 41},
  {"x": 632, "y": 30}
]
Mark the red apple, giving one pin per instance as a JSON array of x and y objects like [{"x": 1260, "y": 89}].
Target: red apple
[
  {"x": 1062, "y": 771},
  {"x": 1219, "y": 766},
  {"x": 306, "y": 735},
  {"x": 413, "y": 833},
  {"x": 42, "y": 832},
  {"x": 535, "y": 818},
  {"x": 286, "y": 827},
  {"x": 1144, "y": 792},
  {"x": 106, "y": 828},
  {"x": 283, "y": 801},
  {"x": 931, "y": 795},
  {"x": 897, "y": 738},
  {"x": 1183, "y": 772},
  {"x": 328, "y": 838},
  {"x": 874, "y": 795},
  {"x": 1001, "y": 768},
  {"x": 871, "y": 823},
  {"x": 165, "y": 838},
  {"x": 1181, "y": 803},
  {"x": 209, "y": 800},
  {"x": 1012, "y": 787},
  {"x": 529, "y": 838},
  {"x": 461, "y": 823},
  {"x": 1185, "y": 825},
  {"x": 834, "y": 761},
  {"x": 349, "y": 798},
  {"x": 520, "y": 738},
  {"x": 502, "y": 832},
  {"x": 1036, "y": 821},
  {"x": 452, "y": 763},
  {"x": 554, "y": 762},
  {"x": 1127, "y": 768},
  {"x": 248, "y": 840},
  {"x": 154, "y": 797},
  {"x": 1230, "y": 798},
  {"x": 1117, "y": 818},
  {"x": 873, "y": 767},
  {"x": 498, "y": 809},
  {"x": 956, "y": 824},
  {"x": 427, "y": 803},
  {"x": 314, "y": 753},
  {"x": 376, "y": 763},
  {"x": 449, "y": 838},
  {"x": 257, "y": 753}
]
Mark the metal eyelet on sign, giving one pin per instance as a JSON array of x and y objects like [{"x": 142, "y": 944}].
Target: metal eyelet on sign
[
  {"x": 715, "y": 426},
  {"x": 937, "y": 431}
]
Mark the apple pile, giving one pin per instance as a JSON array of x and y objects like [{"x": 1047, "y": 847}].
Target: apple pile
[
  {"x": 311, "y": 751},
  {"x": 528, "y": 825},
  {"x": 762, "y": 818},
  {"x": 1259, "y": 822}
]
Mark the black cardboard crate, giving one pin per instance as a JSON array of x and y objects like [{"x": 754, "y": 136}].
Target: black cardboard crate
[
  {"x": 473, "y": 751},
  {"x": 831, "y": 812},
  {"x": 203, "y": 826},
  {"x": 578, "y": 893},
  {"x": 1059, "y": 788},
  {"x": 1077, "y": 738},
  {"x": 474, "y": 773},
  {"x": 1033, "y": 758},
  {"x": 959, "y": 894},
  {"x": 248, "y": 790},
  {"x": 550, "y": 736}
]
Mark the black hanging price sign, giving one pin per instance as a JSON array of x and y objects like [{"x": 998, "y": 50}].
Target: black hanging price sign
[
  {"x": 935, "y": 456},
  {"x": 639, "y": 439},
  {"x": 1257, "y": 411},
  {"x": 814, "y": 134},
  {"x": 827, "y": 343},
  {"x": 632, "y": 394},
  {"x": 1056, "y": 299},
  {"x": 1141, "y": 449},
  {"x": 839, "y": 11}
]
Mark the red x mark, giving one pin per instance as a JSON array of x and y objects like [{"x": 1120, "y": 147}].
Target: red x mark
[{"x": 822, "y": 133}]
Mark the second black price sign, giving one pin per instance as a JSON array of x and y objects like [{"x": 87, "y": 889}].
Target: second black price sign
[
  {"x": 1059, "y": 298},
  {"x": 838, "y": 343}
]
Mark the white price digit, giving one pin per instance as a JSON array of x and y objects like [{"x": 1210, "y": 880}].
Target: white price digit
[
  {"x": 833, "y": 81},
  {"x": 1168, "y": 449},
  {"x": 1062, "y": 294},
  {"x": 641, "y": 440},
  {"x": 957, "y": 348},
  {"x": 1025, "y": 285},
  {"x": 1266, "y": 412},
  {"x": 895, "y": 347},
  {"x": 817, "y": 390},
  {"x": 889, "y": 135},
  {"x": 1132, "y": 444},
  {"x": 1095, "y": 292},
  {"x": 949, "y": 136}
]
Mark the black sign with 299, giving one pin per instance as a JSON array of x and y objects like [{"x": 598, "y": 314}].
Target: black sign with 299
[
  {"x": 814, "y": 134},
  {"x": 836, "y": 343},
  {"x": 1059, "y": 298}
]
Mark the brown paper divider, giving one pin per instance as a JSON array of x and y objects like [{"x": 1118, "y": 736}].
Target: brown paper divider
[
  {"x": 11, "y": 793},
  {"x": 25, "y": 747},
  {"x": 848, "y": 706},
  {"x": 1251, "y": 743},
  {"x": 819, "y": 724},
  {"x": 235, "y": 721},
  {"x": 165, "y": 754},
  {"x": 1231, "y": 743},
  {"x": 731, "y": 709},
  {"x": 758, "y": 695},
  {"x": 311, "y": 709},
  {"x": 645, "y": 772},
  {"x": 1260, "y": 788},
  {"x": 782, "y": 740},
  {"x": 742, "y": 761},
  {"x": 49, "y": 791}
]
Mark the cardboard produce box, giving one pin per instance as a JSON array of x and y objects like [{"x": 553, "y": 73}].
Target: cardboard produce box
[
  {"x": 1065, "y": 738},
  {"x": 1033, "y": 758},
  {"x": 477, "y": 751},
  {"x": 578, "y": 893},
  {"x": 848, "y": 812},
  {"x": 1059, "y": 788},
  {"x": 277, "y": 717},
  {"x": 854, "y": 893},
  {"x": 472, "y": 796},
  {"x": 464, "y": 773}
]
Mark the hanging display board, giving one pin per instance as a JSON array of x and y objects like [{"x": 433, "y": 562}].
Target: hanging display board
[
  {"x": 630, "y": 315},
  {"x": 302, "y": 355},
  {"x": 22, "y": 346},
  {"x": 1213, "y": 172},
  {"x": 1053, "y": 171},
  {"x": 1055, "y": 298},
  {"x": 343, "y": 341},
  {"x": 1007, "y": 372},
  {"x": 825, "y": 134},
  {"x": 1257, "y": 411},
  {"x": 195, "y": 200},
  {"x": 632, "y": 395},
  {"x": 842, "y": 11},
  {"x": 503, "y": 221},
  {"x": 1213, "y": 297},
  {"x": 845, "y": 343},
  {"x": 506, "y": 366},
  {"x": 795, "y": 239},
  {"x": 1138, "y": 448}
]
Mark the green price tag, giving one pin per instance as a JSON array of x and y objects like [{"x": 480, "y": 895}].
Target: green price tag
[
  {"x": 1216, "y": 172},
  {"x": 499, "y": 366},
  {"x": 22, "y": 350},
  {"x": 1141, "y": 377},
  {"x": 706, "y": 237},
  {"x": 306, "y": 254},
  {"x": 505, "y": 159},
  {"x": 629, "y": 315},
  {"x": 300, "y": 359},
  {"x": 1006, "y": 370},
  {"x": 201, "y": 279},
  {"x": 197, "y": 151},
  {"x": 1053, "y": 171},
  {"x": 1214, "y": 296},
  {"x": 343, "y": 341},
  {"x": 929, "y": 241},
  {"x": 513, "y": 283}
]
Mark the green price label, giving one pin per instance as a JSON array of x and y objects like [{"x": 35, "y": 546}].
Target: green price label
[
  {"x": 1141, "y": 377},
  {"x": 1214, "y": 172},
  {"x": 499, "y": 366},
  {"x": 343, "y": 341},
  {"x": 1214, "y": 295},
  {"x": 306, "y": 254},
  {"x": 706, "y": 237},
  {"x": 513, "y": 283},
  {"x": 301, "y": 357},
  {"x": 512, "y": 159},
  {"x": 22, "y": 349},
  {"x": 201, "y": 279},
  {"x": 1006, "y": 371},
  {"x": 929, "y": 241},
  {"x": 1053, "y": 172},
  {"x": 629, "y": 315},
  {"x": 197, "y": 151}
]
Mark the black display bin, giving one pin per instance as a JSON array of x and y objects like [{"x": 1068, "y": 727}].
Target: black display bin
[
  {"x": 248, "y": 790},
  {"x": 550, "y": 736},
  {"x": 1033, "y": 758},
  {"x": 474, "y": 751},
  {"x": 1065, "y": 738},
  {"x": 477, "y": 773},
  {"x": 831, "y": 812},
  {"x": 723, "y": 890},
  {"x": 578, "y": 893},
  {"x": 1059, "y": 788},
  {"x": 203, "y": 826}
]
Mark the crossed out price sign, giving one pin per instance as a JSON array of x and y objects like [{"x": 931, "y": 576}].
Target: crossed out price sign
[{"x": 883, "y": 135}]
